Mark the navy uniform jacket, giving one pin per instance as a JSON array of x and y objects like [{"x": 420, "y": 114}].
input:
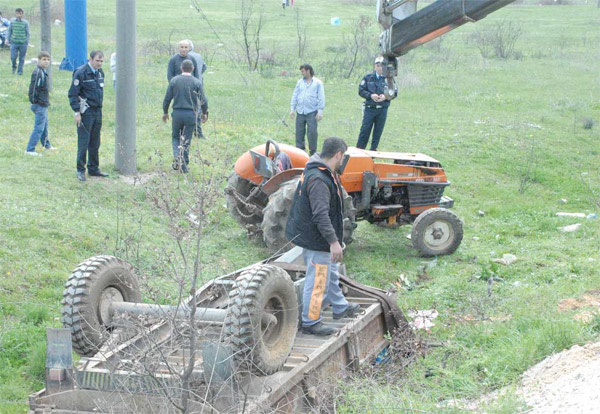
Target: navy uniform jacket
[
  {"x": 369, "y": 85},
  {"x": 87, "y": 86}
]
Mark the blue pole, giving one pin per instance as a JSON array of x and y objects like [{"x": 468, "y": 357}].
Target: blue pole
[{"x": 75, "y": 34}]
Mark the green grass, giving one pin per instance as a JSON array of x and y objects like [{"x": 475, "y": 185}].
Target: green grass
[{"x": 479, "y": 117}]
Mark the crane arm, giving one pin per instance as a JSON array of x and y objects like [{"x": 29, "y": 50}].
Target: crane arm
[{"x": 406, "y": 28}]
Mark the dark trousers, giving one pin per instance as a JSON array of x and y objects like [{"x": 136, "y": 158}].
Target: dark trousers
[
  {"x": 88, "y": 140},
  {"x": 183, "y": 127},
  {"x": 19, "y": 49},
  {"x": 374, "y": 119},
  {"x": 199, "y": 125},
  {"x": 302, "y": 121}
]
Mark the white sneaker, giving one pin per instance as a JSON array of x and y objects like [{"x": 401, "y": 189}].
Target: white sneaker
[
  {"x": 50, "y": 148},
  {"x": 33, "y": 153}
]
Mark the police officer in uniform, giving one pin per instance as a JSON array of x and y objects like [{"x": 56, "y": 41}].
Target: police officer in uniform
[
  {"x": 375, "y": 106},
  {"x": 85, "y": 98}
]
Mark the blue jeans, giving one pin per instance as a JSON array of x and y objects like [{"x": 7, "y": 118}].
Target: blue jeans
[
  {"x": 321, "y": 287},
  {"x": 18, "y": 49},
  {"x": 40, "y": 128}
]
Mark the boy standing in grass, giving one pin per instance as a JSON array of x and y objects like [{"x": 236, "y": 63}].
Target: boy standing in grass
[{"x": 40, "y": 100}]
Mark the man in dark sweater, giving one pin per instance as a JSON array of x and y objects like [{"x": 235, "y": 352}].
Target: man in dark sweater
[
  {"x": 188, "y": 99},
  {"x": 175, "y": 62},
  {"x": 18, "y": 36},
  {"x": 316, "y": 224},
  {"x": 38, "y": 96}
]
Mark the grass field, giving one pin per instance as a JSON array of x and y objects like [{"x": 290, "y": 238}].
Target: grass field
[{"x": 509, "y": 132}]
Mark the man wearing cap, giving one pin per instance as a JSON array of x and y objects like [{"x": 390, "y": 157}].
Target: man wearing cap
[{"x": 375, "y": 106}]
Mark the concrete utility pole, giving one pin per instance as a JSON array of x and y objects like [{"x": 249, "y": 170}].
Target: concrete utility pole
[
  {"x": 46, "y": 34},
  {"x": 125, "y": 135}
]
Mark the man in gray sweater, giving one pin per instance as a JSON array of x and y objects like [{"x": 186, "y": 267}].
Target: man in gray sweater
[{"x": 188, "y": 98}]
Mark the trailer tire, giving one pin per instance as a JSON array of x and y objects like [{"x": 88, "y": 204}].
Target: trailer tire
[
  {"x": 277, "y": 211},
  {"x": 437, "y": 232},
  {"x": 92, "y": 284},
  {"x": 257, "y": 345},
  {"x": 240, "y": 187}
]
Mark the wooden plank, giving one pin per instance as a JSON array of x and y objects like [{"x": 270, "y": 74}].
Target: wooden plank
[{"x": 329, "y": 347}]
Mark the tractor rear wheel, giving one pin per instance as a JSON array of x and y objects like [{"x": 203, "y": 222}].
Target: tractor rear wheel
[
  {"x": 277, "y": 211},
  {"x": 262, "y": 319},
  {"x": 236, "y": 192},
  {"x": 275, "y": 216},
  {"x": 87, "y": 295},
  {"x": 349, "y": 217},
  {"x": 437, "y": 232}
]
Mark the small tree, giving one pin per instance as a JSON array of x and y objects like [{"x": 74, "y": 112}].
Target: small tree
[
  {"x": 301, "y": 33},
  {"x": 251, "y": 26}
]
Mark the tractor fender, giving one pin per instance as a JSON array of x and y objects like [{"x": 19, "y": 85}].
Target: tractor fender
[
  {"x": 275, "y": 182},
  {"x": 245, "y": 169}
]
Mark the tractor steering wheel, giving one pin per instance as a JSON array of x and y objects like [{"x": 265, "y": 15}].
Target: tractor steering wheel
[{"x": 277, "y": 152}]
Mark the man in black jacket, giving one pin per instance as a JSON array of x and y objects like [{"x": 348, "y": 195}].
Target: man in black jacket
[
  {"x": 316, "y": 224},
  {"x": 376, "y": 105},
  {"x": 85, "y": 97},
  {"x": 38, "y": 96}
]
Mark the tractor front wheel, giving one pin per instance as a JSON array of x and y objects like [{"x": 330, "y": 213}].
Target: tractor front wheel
[{"x": 437, "y": 232}]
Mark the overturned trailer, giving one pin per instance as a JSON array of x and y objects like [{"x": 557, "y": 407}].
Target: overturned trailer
[{"x": 233, "y": 346}]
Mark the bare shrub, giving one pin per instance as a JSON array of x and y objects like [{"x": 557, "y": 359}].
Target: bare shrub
[
  {"x": 300, "y": 33},
  {"x": 528, "y": 169},
  {"x": 251, "y": 25},
  {"x": 33, "y": 14},
  {"x": 588, "y": 123},
  {"x": 160, "y": 47},
  {"x": 357, "y": 50},
  {"x": 498, "y": 39}
]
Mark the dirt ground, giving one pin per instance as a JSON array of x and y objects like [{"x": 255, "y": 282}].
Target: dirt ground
[
  {"x": 567, "y": 382},
  {"x": 564, "y": 383}
]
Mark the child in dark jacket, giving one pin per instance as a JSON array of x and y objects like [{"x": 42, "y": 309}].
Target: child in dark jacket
[{"x": 39, "y": 98}]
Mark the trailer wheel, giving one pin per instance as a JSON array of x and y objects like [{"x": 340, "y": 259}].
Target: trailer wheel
[
  {"x": 262, "y": 321},
  {"x": 437, "y": 232},
  {"x": 277, "y": 211},
  {"x": 239, "y": 188},
  {"x": 88, "y": 292},
  {"x": 275, "y": 216}
]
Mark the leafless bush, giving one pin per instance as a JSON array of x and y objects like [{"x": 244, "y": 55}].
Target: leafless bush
[
  {"x": 357, "y": 50},
  {"x": 300, "y": 33},
  {"x": 33, "y": 14},
  {"x": 527, "y": 174},
  {"x": 498, "y": 39},
  {"x": 358, "y": 42},
  {"x": 251, "y": 26},
  {"x": 160, "y": 47}
]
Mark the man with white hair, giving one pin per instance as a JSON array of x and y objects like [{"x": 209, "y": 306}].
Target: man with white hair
[
  {"x": 199, "y": 62},
  {"x": 174, "y": 67}
]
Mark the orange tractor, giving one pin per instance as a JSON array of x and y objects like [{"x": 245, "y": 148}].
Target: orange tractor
[{"x": 386, "y": 188}]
